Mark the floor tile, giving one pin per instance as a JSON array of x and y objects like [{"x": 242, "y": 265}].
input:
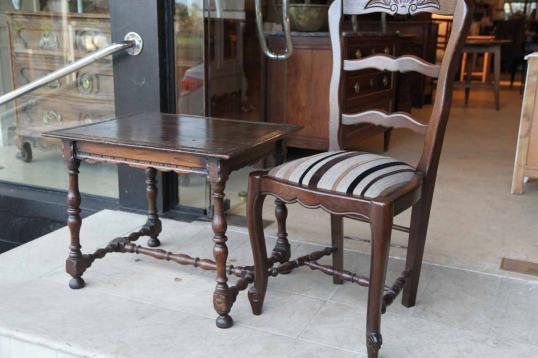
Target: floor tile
[{"x": 460, "y": 299}]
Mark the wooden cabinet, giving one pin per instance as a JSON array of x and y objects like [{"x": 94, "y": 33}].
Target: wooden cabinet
[
  {"x": 526, "y": 163},
  {"x": 43, "y": 42},
  {"x": 422, "y": 43},
  {"x": 297, "y": 90}
]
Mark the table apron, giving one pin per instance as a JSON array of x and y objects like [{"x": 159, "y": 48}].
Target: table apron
[{"x": 140, "y": 158}]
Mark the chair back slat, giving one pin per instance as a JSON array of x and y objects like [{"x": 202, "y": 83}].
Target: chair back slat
[
  {"x": 394, "y": 120},
  {"x": 400, "y": 7},
  {"x": 389, "y": 63},
  {"x": 445, "y": 73}
]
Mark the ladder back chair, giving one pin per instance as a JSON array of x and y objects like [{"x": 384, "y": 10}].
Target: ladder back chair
[{"x": 359, "y": 185}]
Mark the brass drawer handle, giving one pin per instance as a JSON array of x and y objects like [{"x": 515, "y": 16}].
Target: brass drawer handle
[
  {"x": 87, "y": 119},
  {"x": 87, "y": 83},
  {"x": 357, "y": 87},
  {"x": 52, "y": 116},
  {"x": 90, "y": 41},
  {"x": 48, "y": 41},
  {"x": 385, "y": 81},
  {"x": 358, "y": 53},
  {"x": 387, "y": 50}
]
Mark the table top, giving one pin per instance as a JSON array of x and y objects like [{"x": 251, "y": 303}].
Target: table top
[{"x": 203, "y": 136}]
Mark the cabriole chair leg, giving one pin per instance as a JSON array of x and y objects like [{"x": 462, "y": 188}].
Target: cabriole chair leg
[
  {"x": 381, "y": 226},
  {"x": 256, "y": 293}
]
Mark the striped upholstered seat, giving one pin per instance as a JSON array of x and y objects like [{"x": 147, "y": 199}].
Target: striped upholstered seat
[{"x": 360, "y": 174}]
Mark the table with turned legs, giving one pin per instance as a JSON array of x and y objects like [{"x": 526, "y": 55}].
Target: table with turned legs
[{"x": 166, "y": 142}]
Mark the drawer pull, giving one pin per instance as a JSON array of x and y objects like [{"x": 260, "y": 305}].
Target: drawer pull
[
  {"x": 385, "y": 81},
  {"x": 52, "y": 116},
  {"x": 357, "y": 87},
  {"x": 387, "y": 50},
  {"x": 87, "y": 119},
  {"x": 86, "y": 83},
  {"x": 48, "y": 41},
  {"x": 90, "y": 41},
  {"x": 358, "y": 53}
]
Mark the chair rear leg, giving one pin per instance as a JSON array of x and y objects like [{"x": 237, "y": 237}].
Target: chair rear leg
[
  {"x": 337, "y": 240},
  {"x": 381, "y": 226},
  {"x": 415, "y": 249},
  {"x": 256, "y": 294}
]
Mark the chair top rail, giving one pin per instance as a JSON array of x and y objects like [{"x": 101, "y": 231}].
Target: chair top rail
[
  {"x": 406, "y": 63},
  {"x": 401, "y": 7},
  {"x": 379, "y": 118}
]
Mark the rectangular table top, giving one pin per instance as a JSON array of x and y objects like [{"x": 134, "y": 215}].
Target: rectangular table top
[{"x": 203, "y": 136}]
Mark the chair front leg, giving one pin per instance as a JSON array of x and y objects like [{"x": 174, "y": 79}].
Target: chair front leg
[
  {"x": 381, "y": 226},
  {"x": 256, "y": 294}
]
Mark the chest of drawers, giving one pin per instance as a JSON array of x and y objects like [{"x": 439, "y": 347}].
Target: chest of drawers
[
  {"x": 43, "y": 42},
  {"x": 297, "y": 91}
]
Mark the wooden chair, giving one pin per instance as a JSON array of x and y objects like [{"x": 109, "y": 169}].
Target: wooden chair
[{"x": 364, "y": 186}]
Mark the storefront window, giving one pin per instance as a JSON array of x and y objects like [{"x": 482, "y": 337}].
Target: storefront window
[
  {"x": 218, "y": 75},
  {"x": 37, "y": 37},
  {"x": 190, "y": 86}
]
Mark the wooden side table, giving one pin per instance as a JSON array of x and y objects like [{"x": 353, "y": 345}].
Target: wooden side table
[
  {"x": 526, "y": 162},
  {"x": 486, "y": 46},
  {"x": 163, "y": 142}
]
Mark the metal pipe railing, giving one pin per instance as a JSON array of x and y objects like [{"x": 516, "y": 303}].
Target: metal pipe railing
[
  {"x": 72, "y": 67},
  {"x": 285, "y": 27}
]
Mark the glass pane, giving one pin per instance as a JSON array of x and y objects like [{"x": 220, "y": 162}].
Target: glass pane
[
  {"x": 190, "y": 88},
  {"x": 37, "y": 37}
]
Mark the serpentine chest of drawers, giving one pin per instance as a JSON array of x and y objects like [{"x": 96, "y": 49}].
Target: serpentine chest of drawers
[
  {"x": 297, "y": 91},
  {"x": 43, "y": 42}
]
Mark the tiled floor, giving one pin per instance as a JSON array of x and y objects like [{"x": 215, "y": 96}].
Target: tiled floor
[{"x": 134, "y": 306}]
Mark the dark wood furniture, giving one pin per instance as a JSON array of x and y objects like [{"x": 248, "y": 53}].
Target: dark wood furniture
[
  {"x": 43, "y": 42},
  {"x": 359, "y": 185},
  {"x": 298, "y": 89},
  {"x": 161, "y": 142},
  {"x": 423, "y": 44}
]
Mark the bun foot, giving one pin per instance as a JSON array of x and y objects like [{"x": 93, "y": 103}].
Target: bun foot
[
  {"x": 76, "y": 283},
  {"x": 224, "y": 321},
  {"x": 154, "y": 242}
]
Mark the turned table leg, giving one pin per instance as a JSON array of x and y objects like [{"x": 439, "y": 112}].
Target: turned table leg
[
  {"x": 282, "y": 249},
  {"x": 222, "y": 297},
  {"x": 75, "y": 264},
  {"x": 153, "y": 224}
]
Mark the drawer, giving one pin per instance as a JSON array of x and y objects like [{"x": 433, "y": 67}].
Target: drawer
[
  {"x": 36, "y": 115},
  {"x": 357, "y": 49},
  {"x": 362, "y": 83},
  {"x": 95, "y": 81},
  {"x": 30, "y": 34},
  {"x": 382, "y": 100},
  {"x": 52, "y": 35}
]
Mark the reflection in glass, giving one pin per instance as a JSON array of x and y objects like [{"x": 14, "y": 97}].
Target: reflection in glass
[
  {"x": 190, "y": 89},
  {"x": 37, "y": 37},
  {"x": 218, "y": 74}
]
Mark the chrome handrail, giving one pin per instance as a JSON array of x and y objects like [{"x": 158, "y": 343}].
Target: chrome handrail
[
  {"x": 285, "y": 26},
  {"x": 132, "y": 41}
]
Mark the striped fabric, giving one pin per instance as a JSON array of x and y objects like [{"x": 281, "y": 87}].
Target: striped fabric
[{"x": 359, "y": 174}]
